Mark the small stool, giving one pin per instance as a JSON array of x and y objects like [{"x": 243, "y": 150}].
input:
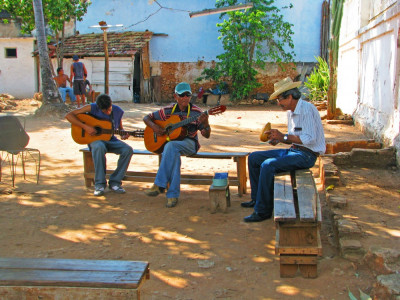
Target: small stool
[{"x": 219, "y": 197}]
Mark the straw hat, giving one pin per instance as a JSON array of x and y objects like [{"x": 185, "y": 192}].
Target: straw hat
[{"x": 283, "y": 86}]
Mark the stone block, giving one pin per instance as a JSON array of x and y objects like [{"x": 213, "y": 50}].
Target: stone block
[
  {"x": 213, "y": 100},
  {"x": 337, "y": 201},
  {"x": 387, "y": 287},
  {"x": 348, "y": 228},
  {"x": 383, "y": 260},
  {"x": 351, "y": 249}
]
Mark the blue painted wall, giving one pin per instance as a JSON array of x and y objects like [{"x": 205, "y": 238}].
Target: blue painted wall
[{"x": 193, "y": 39}]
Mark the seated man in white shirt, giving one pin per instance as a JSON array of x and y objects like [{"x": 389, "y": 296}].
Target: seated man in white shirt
[{"x": 305, "y": 133}]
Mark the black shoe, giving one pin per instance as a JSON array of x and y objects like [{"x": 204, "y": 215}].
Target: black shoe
[
  {"x": 256, "y": 217},
  {"x": 248, "y": 203}
]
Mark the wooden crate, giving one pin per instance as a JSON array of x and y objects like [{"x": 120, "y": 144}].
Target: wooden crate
[{"x": 297, "y": 216}]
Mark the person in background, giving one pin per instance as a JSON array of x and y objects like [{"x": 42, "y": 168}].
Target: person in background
[
  {"x": 169, "y": 172},
  {"x": 305, "y": 134},
  {"x": 89, "y": 92},
  {"x": 103, "y": 109},
  {"x": 61, "y": 80},
  {"x": 78, "y": 71}
]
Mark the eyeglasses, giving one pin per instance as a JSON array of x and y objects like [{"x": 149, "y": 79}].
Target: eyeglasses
[
  {"x": 185, "y": 94},
  {"x": 280, "y": 98}
]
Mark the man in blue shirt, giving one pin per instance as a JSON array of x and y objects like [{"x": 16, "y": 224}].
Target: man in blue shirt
[
  {"x": 103, "y": 109},
  {"x": 78, "y": 72},
  {"x": 305, "y": 134}
]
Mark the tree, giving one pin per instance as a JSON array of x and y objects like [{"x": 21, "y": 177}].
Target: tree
[
  {"x": 56, "y": 14},
  {"x": 49, "y": 89},
  {"x": 250, "y": 38},
  {"x": 336, "y": 18}
]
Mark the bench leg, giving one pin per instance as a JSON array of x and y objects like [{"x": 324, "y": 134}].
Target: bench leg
[
  {"x": 88, "y": 167},
  {"x": 308, "y": 271},
  {"x": 241, "y": 173},
  {"x": 287, "y": 270},
  {"x": 219, "y": 198}
]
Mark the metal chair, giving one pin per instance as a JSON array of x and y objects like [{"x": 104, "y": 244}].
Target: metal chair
[{"x": 13, "y": 142}]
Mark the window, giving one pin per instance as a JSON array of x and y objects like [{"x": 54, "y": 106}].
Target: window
[{"x": 11, "y": 52}]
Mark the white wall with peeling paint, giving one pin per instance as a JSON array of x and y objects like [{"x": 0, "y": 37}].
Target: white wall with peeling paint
[
  {"x": 369, "y": 67},
  {"x": 18, "y": 74}
]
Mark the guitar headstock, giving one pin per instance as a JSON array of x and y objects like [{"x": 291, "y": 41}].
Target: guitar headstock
[
  {"x": 137, "y": 133},
  {"x": 216, "y": 110}
]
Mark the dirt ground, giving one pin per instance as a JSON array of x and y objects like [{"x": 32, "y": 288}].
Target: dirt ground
[{"x": 193, "y": 254}]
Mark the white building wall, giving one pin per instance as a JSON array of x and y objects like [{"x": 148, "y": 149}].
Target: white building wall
[
  {"x": 17, "y": 75},
  {"x": 369, "y": 67}
]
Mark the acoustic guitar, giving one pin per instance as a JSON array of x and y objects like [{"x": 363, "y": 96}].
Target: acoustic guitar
[
  {"x": 103, "y": 128},
  {"x": 174, "y": 130}
]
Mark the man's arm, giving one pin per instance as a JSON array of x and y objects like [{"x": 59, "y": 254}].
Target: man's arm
[
  {"x": 156, "y": 128},
  {"x": 84, "y": 69},
  {"x": 72, "y": 74},
  {"x": 275, "y": 136},
  {"x": 71, "y": 117},
  {"x": 206, "y": 131}
]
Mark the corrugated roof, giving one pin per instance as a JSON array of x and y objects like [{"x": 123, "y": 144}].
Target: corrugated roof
[{"x": 119, "y": 43}]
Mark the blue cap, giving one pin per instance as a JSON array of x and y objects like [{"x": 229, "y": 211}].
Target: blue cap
[
  {"x": 75, "y": 57},
  {"x": 183, "y": 87}
]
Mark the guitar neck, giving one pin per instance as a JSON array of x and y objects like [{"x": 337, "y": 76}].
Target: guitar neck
[
  {"x": 123, "y": 132},
  {"x": 185, "y": 122}
]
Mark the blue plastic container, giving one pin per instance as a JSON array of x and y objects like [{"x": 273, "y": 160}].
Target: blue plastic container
[{"x": 220, "y": 179}]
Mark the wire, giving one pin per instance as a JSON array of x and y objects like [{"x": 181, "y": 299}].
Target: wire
[{"x": 152, "y": 14}]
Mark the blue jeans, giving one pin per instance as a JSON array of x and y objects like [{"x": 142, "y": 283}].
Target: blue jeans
[
  {"x": 170, "y": 166},
  {"x": 99, "y": 150},
  {"x": 64, "y": 91},
  {"x": 263, "y": 165}
]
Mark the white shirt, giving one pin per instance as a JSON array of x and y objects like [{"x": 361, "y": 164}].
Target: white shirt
[{"x": 305, "y": 122}]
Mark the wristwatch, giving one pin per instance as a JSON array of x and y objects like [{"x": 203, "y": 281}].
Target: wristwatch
[{"x": 285, "y": 138}]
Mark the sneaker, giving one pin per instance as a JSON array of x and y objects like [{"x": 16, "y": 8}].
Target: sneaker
[
  {"x": 171, "y": 202},
  {"x": 117, "y": 189},
  {"x": 154, "y": 191},
  {"x": 99, "y": 191}
]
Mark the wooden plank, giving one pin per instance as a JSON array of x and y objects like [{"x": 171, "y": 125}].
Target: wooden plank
[
  {"x": 299, "y": 259},
  {"x": 104, "y": 279},
  {"x": 283, "y": 199},
  {"x": 66, "y": 293},
  {"x": 72, "y": 272},
  {"x": 298, "y": 250},
  {"x": 71, "y": 264},
  {"x": 306, "y": 195}
]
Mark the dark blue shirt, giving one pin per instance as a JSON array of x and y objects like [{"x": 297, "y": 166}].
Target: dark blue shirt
[{"x": 117, "y": 113}]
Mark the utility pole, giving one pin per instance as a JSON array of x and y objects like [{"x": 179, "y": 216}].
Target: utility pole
[{"x": 103, "y": 26}]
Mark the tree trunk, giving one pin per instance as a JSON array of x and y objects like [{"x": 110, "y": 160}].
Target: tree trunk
[{"x": 52, "y": 102}]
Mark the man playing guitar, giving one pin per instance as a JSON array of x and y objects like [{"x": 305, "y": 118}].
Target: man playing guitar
[
  {"x": 169, "y": 172},
  {"x": 103, "y": 109}
]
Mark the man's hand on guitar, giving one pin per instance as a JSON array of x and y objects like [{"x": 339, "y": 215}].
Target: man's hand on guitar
[
  {"x": 158, "y": 130},
  {"x": 90, "y": 130},
  {"x": 125, "y": 136}
]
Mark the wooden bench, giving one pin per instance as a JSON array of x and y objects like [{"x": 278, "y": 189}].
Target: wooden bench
[
  {"x": 239, "y": 180},
  {"x": 71, "y": 279},
  {"x": 297, "y": 216}
]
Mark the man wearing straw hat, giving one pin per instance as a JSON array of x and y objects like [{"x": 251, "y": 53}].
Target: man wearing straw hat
[{"x": 306, "y": 137}]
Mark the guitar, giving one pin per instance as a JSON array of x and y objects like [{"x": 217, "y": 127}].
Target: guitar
[
  {"x": 103, "y": 128},
  {"x": 174, "y": 130}
]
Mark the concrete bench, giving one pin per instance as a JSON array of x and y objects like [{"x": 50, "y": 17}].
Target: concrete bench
[
  {"x": 240, "y": 158},
  {"x": 71, "y": 279},
  {"x": 297, "y": 216}
]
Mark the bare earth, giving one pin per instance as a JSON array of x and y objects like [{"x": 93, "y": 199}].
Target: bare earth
[{"x": 193, "y": 254}]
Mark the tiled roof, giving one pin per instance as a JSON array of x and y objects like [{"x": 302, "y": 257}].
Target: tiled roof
[{"x": 119, "y": 43}]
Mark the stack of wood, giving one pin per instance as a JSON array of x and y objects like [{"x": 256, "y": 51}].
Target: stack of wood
[{"x": 7, "y": 102}]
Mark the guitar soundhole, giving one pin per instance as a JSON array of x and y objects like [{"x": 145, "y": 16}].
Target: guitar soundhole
[{"x": 98, "y": 130}]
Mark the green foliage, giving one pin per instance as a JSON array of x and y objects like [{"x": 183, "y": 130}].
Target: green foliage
[
  {"x": 318, "y": 81},
  {"x": 56, "y": 12},
  {"x": 250, "y": 38}
]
